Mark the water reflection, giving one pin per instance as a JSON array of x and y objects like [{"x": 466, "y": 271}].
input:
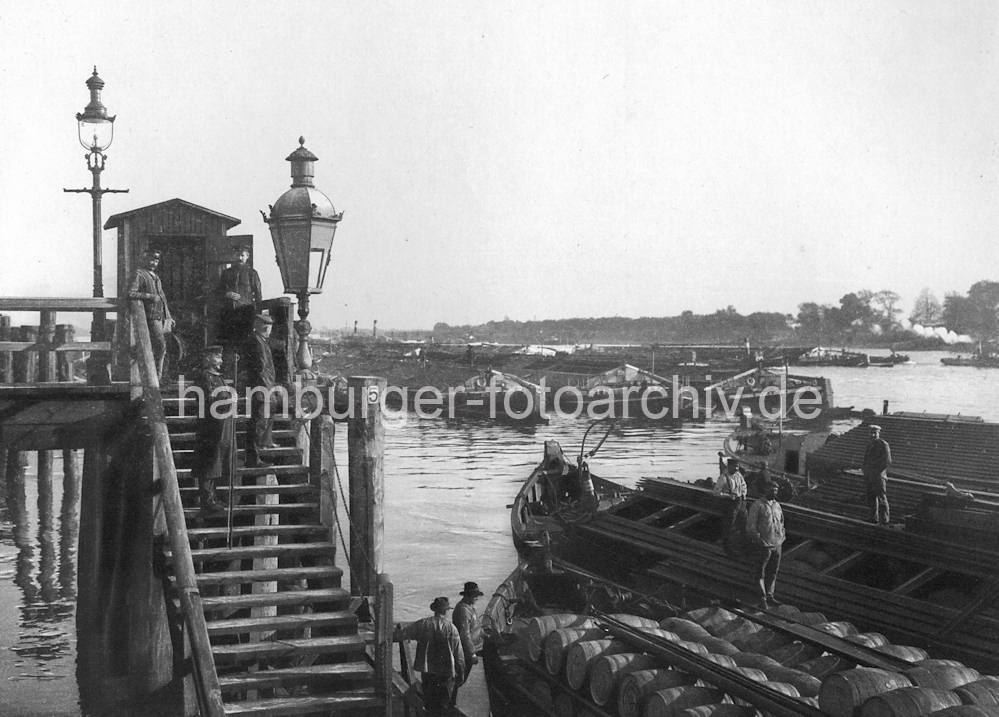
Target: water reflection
[{"x": 45, "y": 634}]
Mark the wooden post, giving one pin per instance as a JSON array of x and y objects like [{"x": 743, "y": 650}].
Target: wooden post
[
  {"x": 322, "y": 472},
  {"x": 6, "y": 357},
  {"x": 30, "y": 333},
  {"x": 46, "y": 356},
  {"x": 46, "y": 528},
  {"x": 365, "y": 455},
  {"x": 384, "y": 629},
  {"x": 64, "y": 334},
  {"x": 69, "y": 523}
]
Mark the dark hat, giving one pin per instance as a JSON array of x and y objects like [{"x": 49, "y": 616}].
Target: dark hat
[
  {"x": 242, "y": 246},
  {"x": 153, "y": 252},
  {"x": 733, "y": 463},
  {"x": 263, "y": 319},
  {"x": 767, "y": 485},
  {"x": 213, "y": 349},
  {"x": 472, "y": 589},
  {"x": 440, "y": 603}
]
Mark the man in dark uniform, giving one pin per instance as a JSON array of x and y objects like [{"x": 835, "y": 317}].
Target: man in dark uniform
[
  {"x": 216, "y": 408},
  {"x": 877, "y": 459},
  {"x": 238, "y": 294},
  {"x": 145, "y": 286},
  {"x": 258, "y": 365}
]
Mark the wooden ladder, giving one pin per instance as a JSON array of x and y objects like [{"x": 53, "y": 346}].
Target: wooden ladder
[{"x": 283, "y": 633}]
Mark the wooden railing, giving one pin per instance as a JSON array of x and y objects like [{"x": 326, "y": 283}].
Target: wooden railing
[
  {"x": 145, "y": 385},
  {"x": 43, "y": 352}
]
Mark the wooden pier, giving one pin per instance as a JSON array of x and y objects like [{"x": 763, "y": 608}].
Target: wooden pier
[{"x": 179, "y": 612}]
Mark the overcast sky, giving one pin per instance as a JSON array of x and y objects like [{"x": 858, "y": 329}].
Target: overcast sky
[{"x": 527, "y": 159}]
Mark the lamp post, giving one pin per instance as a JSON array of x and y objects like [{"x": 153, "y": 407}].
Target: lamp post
[
  {"x": 302, "y": 224},
  {"x": 96, "y": 130}
]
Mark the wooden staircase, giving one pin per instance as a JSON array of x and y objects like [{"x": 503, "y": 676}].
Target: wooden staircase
[{"x": 284, "y": 634}]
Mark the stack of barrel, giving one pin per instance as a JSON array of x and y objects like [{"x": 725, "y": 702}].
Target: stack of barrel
[{"x": 613, "y": 673}]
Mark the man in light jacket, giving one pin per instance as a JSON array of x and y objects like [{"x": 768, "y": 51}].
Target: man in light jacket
[
  {"x": 438, "y": 656},
  {"x": 765, "y": 529},
  {"x": 466, "y": 619}
]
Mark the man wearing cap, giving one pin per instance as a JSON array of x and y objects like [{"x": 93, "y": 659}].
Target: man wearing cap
[
  {"x": 239, "y": 296},
  {"x": 258, "y": 365},
  {"x": 466, "y": 619},
  {"x": 731, "y": 485},
  {"x": 147, "y": 288},
  {"x": 438, "y": 656},
  {"x": 877, "y": 459},
  {"x": 214, "y": 412},
  {"x": 765, "y": 528}
]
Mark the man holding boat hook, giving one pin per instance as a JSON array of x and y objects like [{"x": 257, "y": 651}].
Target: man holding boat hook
[
  {"x": 439, "y": 656},
  {"x": 765, "y": 529},
  {"x": 877, "y": 459},
  {"x": 466, "y": 619}
]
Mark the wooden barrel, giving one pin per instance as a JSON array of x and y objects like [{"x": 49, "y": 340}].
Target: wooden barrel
[
  {"x": 839, "y": 628},
  {"x": 785, "y": 688},
  {"x": 789, "y": 612},
  {"x": 794, "y": 653},
  {"x": 937, "y": 662},
  {"x": 942, "y": 677},
  {"x": 762, "y": 641},
  {"x": 718, "y": 710},
  {"x": 904, "y": 652},
  {"x": 607, "y": 672},
  {"x": 755, "y": 659},
  {"x": 723, "y": 660},
  {"x": 844, "y": 692},
  {"x": 707, "y": 617},
  {"x": 718, "y": 646},
  {"x": 695, "y": 647},
  {"x": 811, "y": 618},
  {"x": 752, "y": 673},
  {"x": 804, "y": 683},
  {"x": 558, "y": 641},
  {"x": 581, "y": 655},
  {"x": 539, "y": 627},
  {"x": 686, "y": 629},
  {"x": 635, "y": 620},
  {"x": 636, "y": 686},
  {"x": 909, "y": 701},
  {"x": 968, "y": 711},
  {"x": 980, "y": 692},
  {"x": 868, "y": 639},
  {"x": 738, "y": 627},
  {"x": 825, "y": 665},
  {"x": 659, "y": 632},
  {"x": 670, "y": 702}
]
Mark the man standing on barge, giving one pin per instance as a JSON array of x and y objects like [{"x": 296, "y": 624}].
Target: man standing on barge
[
  {"x": 877, "y": 459},
  {"x": 765, "y": 529}
]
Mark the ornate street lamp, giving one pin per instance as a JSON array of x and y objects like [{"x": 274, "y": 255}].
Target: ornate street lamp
[
  {"x": 96, "y": 130},
  {"x": 302, "y": 223}
]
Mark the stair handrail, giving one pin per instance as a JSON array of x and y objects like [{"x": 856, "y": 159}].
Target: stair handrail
[{"x": 145, "y": 383}]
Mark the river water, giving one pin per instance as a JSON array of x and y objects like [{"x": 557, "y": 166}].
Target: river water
[{"x": 447, "y": 488}]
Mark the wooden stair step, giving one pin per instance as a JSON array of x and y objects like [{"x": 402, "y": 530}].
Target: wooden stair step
[
  {"x": 292, "y": 470},
  {"x": 242, "y": 490},
  {"x": 183, "y": 437},
  {"x": 239, "y": 626},
  {"x": 242, "y": 552},
  {"x": 186, "y": 454},
  {"x": 250, "y": 531},
  {"x": 280, "y": 420},
  {"x": 285, "y": 598},
  {"x": 260, "y": 509},
  {"x": 269, "y": 679},
  {"x": 230, "y": 577},
  {"x": 344, "y": 703},
  {"x": 269, "y": 649}
]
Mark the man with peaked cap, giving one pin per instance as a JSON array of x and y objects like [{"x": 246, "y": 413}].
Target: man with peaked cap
[
  {"x": 216, "y": 407},
  {"x": 438, "y": 656},
  {"x": 877, "y": 460},
  {"x": 147, "y": 288},
  {"x": 238, "y": 294},
  {"x": 765, "y": 529},
  {"x": 261, "y": 379},
  {"x": 731, "y": 485},
  {"x": 466, "y": 619}
]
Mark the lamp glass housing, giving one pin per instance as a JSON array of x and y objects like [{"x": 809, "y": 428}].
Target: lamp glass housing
[
  {"x": 96, "y": 133},
  {"x": 303, "y": 249}
]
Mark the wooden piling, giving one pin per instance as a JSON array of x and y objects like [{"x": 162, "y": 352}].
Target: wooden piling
[
  {"x": 46, "y": 339},
  {"x": 69, "y": 523},
  {"x": 384, "y": 628},
  {"x": 65, "y": 333},
  {"x": 6, "y": 357},
  {"x": 365, "y": 446},
  {"x": 322, "y": 472},
  {"x": 46, "y": 528}
]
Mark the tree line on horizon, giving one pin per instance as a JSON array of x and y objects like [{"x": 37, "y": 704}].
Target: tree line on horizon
[{"x": 862, "y": 317}]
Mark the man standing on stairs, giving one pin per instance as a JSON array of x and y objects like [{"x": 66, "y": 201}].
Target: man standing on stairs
[
  {"x": 147, "y": 288},
  {"x": 214, "y": 411},
  {"x": 466, "y": 619},
  {"x": 439, "y": 656},
  {"x": 261, "y": 380},
  {"x": 239, "y": 295}
]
